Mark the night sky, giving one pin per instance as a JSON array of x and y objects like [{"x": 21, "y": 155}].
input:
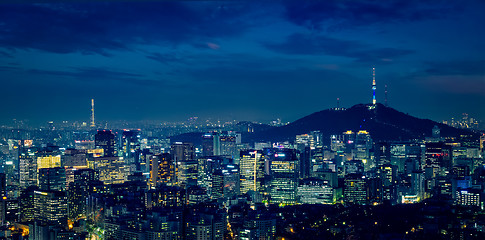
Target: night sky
[{"x": 244, "y": 60}]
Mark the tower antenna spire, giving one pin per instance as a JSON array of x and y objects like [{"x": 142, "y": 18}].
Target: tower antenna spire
[
  {"x": 385, "y": 95},
  {"x": 93, "y": 124},
  {"x": 374, "y": 86}
]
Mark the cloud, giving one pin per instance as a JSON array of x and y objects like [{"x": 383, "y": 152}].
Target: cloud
[
  {"x": 304, "y": 44},
  {"x": 455, "y": 84},
  {"x": 94, "y": 74},
  {"x": 103, "y": 27},
  {"x": 213, "y": 46},
  {"x": 464, "y": 68},
  {"x": 166, "y": 58},
  {"x": 5, "y": 54},
  {"x": 336, "y": 14},
  {"x": 8, "y": 68}
]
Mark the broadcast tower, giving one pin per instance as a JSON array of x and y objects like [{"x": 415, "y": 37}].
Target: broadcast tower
[
  {"x": 93, "y": 124},
  {"x": 374, "y": 86}
]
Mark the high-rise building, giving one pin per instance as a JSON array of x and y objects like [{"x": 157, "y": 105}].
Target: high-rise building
[
  {"x": 388, "y": 175},
  {"x": 225, "y": 182},
  {"x": 85, "y": 183},
  {"x": 182, "y": 151},
  {"x": 468, "y": 197},
  {"x": 228, "y": 144},
  {"x": 105, "y": 140},
  {"x": 162, "y": 170},
  {"x": 206, "y": 166},
  {"x": 208, "y": 144},
  {"x": 216, "y": 138},
  {"x": 27, "y": 167},
  {"x": 166, "y": 196},
  {"x": 129, "y": 143},
  {"x": 50, "y": 208},
  {"x": 374, "y": 190},
  {"x": 3, "y": 185},
  {"x": 306, "y": 145},
  {"x": 26, "y": 203},
  {"x": 283, "y": 171},
  {"x": 186, "y": 174},
  {"x": 52, "y": 179},
  {"x": 217, "y": 188},
  {"x": 206, "y": 225},
  {"x": 74, "y": 158},
  {"x": 355, "y": 189},
  {"x": 48, "y": 159},
  {"x": 438, "y": 155},
  {"x": 482, "y": 143},
  {"x": 231, "y": 180},
  {"x": 111, "y": 170},
  {"x": 252, "y": 170},
  {"x": 417, "y": 184},
  {"x": 316, "y": 191},
  {"x": 382, "y": 153}
]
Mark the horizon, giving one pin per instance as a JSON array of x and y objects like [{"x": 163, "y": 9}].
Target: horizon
[
  {"x": 138, "y": 124},
  {"x": 171, "y": 60}
]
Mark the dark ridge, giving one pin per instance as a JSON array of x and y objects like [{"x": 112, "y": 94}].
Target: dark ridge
[{"x": 383, "y": 123}]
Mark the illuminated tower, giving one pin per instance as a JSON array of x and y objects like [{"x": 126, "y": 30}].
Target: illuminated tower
[
  {"x": 92, "y": 113},
  {"x": 374, "y": 86}
]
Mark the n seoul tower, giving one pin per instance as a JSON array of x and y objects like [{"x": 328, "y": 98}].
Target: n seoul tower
[{"x": 374, "y": 86}]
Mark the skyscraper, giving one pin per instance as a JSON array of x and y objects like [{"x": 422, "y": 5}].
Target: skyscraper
[
  {"x": 283, "y": 169},
  {"x": 182, "y": 151},
  {"x": 162, "y": 170},
  {"x": 50, "y": 208},
  {"x": 52, "y": 179},
  {"x": 28, "y": 167},
  {"x": 252, "y": 170},
  {"x": 105, "y": 139}
]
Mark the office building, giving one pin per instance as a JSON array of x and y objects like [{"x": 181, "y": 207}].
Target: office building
[
  {"x": 162, "y": 170},
  {"x": 52, "y": 179},
  {"x": 283, "y": 171},
  {"x": 355, "y": 190},
  {"x": 105, "y": 140},
  {"x": 251, "y": 165}
]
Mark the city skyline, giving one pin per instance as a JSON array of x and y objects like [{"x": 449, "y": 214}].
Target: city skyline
[{"x": 170, "y": 60}]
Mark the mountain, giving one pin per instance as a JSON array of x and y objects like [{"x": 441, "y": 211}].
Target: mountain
[{"x": 383, "y": 123}]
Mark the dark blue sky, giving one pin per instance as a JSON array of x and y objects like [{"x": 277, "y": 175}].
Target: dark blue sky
[{"x": 248, "y": 60}]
